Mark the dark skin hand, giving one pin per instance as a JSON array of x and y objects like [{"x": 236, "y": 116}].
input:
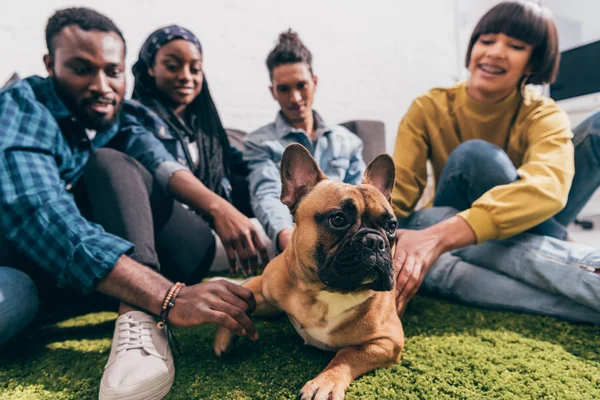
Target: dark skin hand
[
  {"x": 237, "y": 233},
  {"x": 219, "y": 302}
]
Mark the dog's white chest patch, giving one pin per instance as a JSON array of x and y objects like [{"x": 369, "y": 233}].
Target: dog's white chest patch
[{"x": 337, "y": 305}]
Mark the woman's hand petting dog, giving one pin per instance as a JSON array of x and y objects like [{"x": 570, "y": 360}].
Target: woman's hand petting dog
[{"x": 417, "y": 251}]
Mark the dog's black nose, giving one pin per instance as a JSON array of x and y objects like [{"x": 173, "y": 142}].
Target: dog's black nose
[{"x": 373, "y": 242}]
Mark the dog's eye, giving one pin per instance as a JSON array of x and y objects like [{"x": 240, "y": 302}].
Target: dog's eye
[
  {"x": 391, "y": 227},
  {"x": 338, "y": 220}
]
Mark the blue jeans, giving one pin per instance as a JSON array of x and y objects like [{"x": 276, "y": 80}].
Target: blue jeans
[
  {"x": 526, "y": 273},
  {"x": 534, "y": 272},
  {"x": 18, "y": 302}
]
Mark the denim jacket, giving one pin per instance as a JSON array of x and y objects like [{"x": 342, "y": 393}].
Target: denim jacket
[
  {"x": 141, "y": 117},
  {"x": 337, "y": 151}
]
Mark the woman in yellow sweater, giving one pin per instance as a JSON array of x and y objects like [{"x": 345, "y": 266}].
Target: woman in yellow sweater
[{"x": 504, "y": 162}]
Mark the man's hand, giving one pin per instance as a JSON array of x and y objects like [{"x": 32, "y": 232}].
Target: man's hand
[
  {"x": 284, "y": 238},
  {"x": 220, "y": 302},
  {"x": 239, "y": 236},
  {"x": 417, "y": 251}
]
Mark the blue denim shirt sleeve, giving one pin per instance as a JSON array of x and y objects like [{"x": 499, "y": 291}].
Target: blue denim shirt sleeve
[
  {"x": 265, "y": 188},
  {"x": 37, "y": 215},
  {"x": 357, "y": 167},
  {"x": 139, "y": 128}
]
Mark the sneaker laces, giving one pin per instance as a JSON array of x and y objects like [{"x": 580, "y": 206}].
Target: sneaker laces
[{"x": 136, "y": 335}]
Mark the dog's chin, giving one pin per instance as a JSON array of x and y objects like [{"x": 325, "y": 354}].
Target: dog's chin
[{"x": 362, "y": 272}]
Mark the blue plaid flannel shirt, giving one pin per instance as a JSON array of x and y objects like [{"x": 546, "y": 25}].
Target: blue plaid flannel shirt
[{"x": 39, "y": 164}]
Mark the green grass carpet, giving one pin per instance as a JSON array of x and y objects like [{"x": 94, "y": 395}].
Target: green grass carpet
[{"x": 452, "y": 352}]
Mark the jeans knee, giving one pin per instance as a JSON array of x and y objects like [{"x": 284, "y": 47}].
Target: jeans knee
[
  {"x": 482, "y": 159},
  {"x": 595, "y": 123},
  {"x": 479, "y": 152},
  {"x": 18, "y": 302},
  {"x": 427, "y": 217}
]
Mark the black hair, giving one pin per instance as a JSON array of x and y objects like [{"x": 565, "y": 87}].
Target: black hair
[
  {"x": 85, "y": 18},
  {"x": 530, "y": 23},
  {"x": 289, "y": 50}
]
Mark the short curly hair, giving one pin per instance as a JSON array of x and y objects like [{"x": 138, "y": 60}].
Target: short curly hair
[
  {"x": 85, "y": 18},
  {"x": 530, "y": 23},
  {"x": 289, "y": 50}
]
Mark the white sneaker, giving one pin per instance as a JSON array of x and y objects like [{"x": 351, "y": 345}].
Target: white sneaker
[{"x": 140, "y": 365}]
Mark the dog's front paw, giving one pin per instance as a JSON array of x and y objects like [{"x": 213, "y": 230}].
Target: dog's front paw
[
  {"x": 324, "y": 387},
  {"x": 224, "y": 341}
]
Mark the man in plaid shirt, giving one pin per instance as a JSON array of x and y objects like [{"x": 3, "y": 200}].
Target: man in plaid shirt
[{"x": 86, "y": 200}]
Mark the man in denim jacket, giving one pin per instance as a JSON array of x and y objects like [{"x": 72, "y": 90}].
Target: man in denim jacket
[{"x": 337, "y": 150}]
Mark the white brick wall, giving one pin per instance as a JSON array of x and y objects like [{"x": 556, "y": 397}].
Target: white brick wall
[{"x": 372, "y": 57}]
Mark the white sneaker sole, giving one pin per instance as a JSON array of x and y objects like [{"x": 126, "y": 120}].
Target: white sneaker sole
[{"x": 150, "y": 390}]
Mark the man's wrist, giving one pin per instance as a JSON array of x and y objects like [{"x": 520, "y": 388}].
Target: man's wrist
[{"x": 136, "y": 284}]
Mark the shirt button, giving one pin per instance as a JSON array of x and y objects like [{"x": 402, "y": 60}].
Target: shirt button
[{"x": 68, "y": 186}]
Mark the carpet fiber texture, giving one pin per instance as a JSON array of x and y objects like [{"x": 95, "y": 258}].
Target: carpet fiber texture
[{"x": 452, "y": 352}]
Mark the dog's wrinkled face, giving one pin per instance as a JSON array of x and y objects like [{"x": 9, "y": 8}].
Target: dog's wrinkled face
[{"x": 344, "y": 233}]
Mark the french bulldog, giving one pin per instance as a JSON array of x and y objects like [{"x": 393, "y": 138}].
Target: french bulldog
[{"x": 336, "y": 279}]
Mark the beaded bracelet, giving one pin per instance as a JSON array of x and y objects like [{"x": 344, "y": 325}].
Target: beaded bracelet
[{"x": 168, "y": 303}]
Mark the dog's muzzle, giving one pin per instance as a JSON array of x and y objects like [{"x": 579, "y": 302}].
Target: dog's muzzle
[{"x": 364, "y": 261}]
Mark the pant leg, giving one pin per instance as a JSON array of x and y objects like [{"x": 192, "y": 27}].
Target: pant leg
[
  {"x": 551, "y": 265},
  {"x": 587, "y": 168},
  {"x": 474, "y": 168},
  {"x": 453, "y": 278},
  {"x": 529, "y": 273},
  {"x": 18, "y": 302},
  {"x": 127, "y": 201},
  {"x": 186, "y": 246}
]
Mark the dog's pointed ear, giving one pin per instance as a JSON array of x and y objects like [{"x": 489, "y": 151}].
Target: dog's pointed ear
[
  {"x": 381, "y": 173},
  {"x": 299, "y": 174}
]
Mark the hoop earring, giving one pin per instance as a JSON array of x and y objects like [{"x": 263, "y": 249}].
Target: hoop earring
[{"x": 523, "y": 84}]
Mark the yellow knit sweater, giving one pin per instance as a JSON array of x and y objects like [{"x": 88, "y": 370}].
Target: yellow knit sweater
[{"x": 532, "y": 130}]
